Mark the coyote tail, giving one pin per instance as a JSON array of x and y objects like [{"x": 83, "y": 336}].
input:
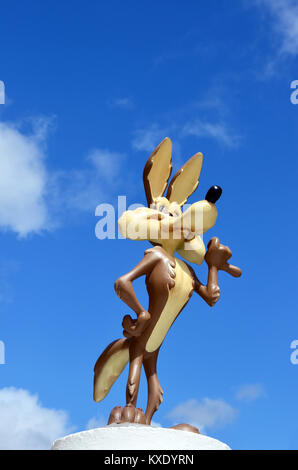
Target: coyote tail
[{"x": 109, "y": 366}]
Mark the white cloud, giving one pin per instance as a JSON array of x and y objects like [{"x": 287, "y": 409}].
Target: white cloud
[
  {"x": 32, "y": 198},
  {"x": 106, "y": 163},
  {"x": 2, "y": 92},
  {"x": 155, "y": 424},
  {"x": 7, "y": 269},
  {"x": 23, "y": 179},
  {"x": 285, "y": 15},
  {"x": 84, "y": 189},
  {"x": 250, "y": 392},
  {"x": 148, "y": 139},
  {"x": 26, "y": 424},
  {"x": 96, "y": 422},
  {"x": 217, "y": 131},
  {"x": 212, "y": 102},
  {"x": 125, "y": 103},
  {"x": 204, "y": 415}
]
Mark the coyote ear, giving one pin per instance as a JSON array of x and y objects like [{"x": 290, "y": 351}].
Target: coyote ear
[
  {"x": 157, "y": 171},
  {"x": 186, "y": 180}
]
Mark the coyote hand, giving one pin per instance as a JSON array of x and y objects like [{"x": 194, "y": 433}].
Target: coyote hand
[
  {"x": 217, "y": 254},
  {"x": 135, "y": 327}
]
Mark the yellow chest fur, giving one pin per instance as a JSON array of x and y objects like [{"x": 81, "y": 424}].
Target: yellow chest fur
[{"x": 178, "y": 297}]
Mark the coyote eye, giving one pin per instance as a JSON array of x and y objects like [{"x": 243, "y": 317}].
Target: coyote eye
[{"x": 163, "y": 209}]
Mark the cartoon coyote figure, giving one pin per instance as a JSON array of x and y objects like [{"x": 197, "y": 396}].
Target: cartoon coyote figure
[{"x": 170, "y": 281}]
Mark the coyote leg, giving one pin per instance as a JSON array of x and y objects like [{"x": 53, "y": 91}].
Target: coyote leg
[
  {"x": 129, "y": 413},
  {"x": 135, "y": 365},
  {"x": 155, "y": 392}
]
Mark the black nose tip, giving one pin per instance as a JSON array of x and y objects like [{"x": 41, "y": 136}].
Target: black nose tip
[{"x": 213, "y": 194}]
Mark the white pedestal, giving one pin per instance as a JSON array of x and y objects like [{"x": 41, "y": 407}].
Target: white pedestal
[{"x": 128, "y": 436}]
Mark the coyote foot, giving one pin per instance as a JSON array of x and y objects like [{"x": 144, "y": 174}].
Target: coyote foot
[
  {"x": 127, "y": 414},
  {"x": 186, "y": 427}
]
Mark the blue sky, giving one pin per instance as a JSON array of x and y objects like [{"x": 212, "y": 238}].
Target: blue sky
[{"x": 90, "y": 90}]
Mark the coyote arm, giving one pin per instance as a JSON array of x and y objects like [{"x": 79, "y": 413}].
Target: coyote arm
[
  {"x": 124, "y": 288},
  {"x": 211, "y": 292}
]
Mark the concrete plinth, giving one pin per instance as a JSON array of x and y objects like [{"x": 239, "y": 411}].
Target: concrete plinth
[{"x": 128, "y": 436}]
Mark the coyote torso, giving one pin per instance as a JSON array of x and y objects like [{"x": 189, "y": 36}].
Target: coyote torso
[{"x": 170, "y": 286}]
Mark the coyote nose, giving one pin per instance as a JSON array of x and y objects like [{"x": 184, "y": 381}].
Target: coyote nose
[{"x": 213, "y": 194}]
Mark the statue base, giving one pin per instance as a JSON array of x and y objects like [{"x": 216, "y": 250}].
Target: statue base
[{"x": 129, "y": 436}]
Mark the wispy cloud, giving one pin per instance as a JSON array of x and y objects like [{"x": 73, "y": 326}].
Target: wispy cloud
[
  {"x": 218, "y": 131},
  {"x": 26, "y": 424},
  {"x": 106, "y": 163},
  {"x": 8, "y": 268},
  {"x": 285, "y": 16},
  {"x": 250, "y": 392},
  {"x": 2, "y": 92},
  {"x": 83, "y": 189},
  {"x": 284, "y": 21},
  {"x": 96, "y": 422},
  {"x": 212, "y": 102},
  {"x": 206, "y": 414},
  {"x": 207, "y": 117},
  {"x": 146, "y": 139},
  {"x": 124, "y": 102}
]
